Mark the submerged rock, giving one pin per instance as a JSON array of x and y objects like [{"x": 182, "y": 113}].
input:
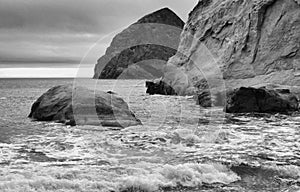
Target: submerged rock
[
  {"x": 142, "y": 50},
  {"x": 82, "y": 106},
  {"x": 262, "y": 100}
]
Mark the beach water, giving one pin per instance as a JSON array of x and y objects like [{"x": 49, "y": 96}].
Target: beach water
[{"x": 179, "y": 147}]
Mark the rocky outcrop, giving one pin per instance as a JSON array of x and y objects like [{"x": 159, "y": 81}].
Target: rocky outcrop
[
  {"x": 204, "y": 99},
  {"x": 141, "y": 50},
  {"x": 261, "y": 100},
  {"x": 238, "y": 43},
  {"x": 82, "y": 106},
  {"x": 159, "y": 87}
]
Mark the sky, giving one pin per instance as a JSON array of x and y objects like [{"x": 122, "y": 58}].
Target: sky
[{"x": 49, "y": 38}]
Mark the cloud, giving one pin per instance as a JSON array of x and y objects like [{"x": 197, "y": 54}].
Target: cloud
[
  {"x": 38, "y": 72},
  {"x": 56, "y": 48},
  {"x": 63, "y": 30},
  {"x": 89, "y": 16}
]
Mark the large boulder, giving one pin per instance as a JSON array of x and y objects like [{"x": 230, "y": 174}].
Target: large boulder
[
  {"x": 142, "y": 50},
  {"x": 261, "y": 100},
  {"x": 241, "y": 43},
  {"x": 81, "y": 106}
]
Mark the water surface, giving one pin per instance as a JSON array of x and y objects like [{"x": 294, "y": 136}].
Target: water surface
[{"x": 180, "y": 147}]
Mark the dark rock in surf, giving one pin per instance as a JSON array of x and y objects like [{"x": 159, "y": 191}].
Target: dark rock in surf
[
  {"x": 141, "y": 50},
  {"x": 159, "y": 87},
  {"x": 204, "y": 99},
  {"x": 111, "y": 92},
  {"x": 81, "y": 106},
  {"x": 261, "y": 100}
]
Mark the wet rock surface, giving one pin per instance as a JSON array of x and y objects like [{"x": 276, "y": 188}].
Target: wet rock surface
[
  {"x": 81, "y": 106},
  {"x": 142, "y": 50},
  {"x": 204, "y": 99},
  {"x": 159, "y": 87},
  {"x": 261, "y": 100}
]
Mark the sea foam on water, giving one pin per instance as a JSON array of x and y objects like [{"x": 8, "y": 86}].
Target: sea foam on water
[
  {"x": 177, "y": 155},
  {"x": 186, "y": 175}
]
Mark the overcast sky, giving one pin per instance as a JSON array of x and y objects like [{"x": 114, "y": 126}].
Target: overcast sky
[{"x": 58, "y": 33}]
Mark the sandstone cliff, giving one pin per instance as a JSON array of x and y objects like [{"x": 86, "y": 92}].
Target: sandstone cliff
[
  {"x": 141, "y": 50},
  {"x": 234, "y": 43}
]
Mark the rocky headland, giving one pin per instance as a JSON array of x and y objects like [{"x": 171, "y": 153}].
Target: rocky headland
[{"x": 226, "y": 45}]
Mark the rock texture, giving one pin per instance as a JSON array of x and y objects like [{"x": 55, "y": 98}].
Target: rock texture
[
  {"x": 159, "y": 87},
  {"x": 262, "y": 100},
  {"x": 204, "y": 99},
  {"x": 141, "y": 50},
  {"x": 82, "y": 106},
  {"x": 253, "y": 42}
]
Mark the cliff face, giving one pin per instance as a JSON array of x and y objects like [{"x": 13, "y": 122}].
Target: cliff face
[
  {"x": 250, "y": 42},
  {"x": 141, "y": 50}
]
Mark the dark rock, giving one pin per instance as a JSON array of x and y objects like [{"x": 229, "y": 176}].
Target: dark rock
[
  {"x": 69, "y": 122},
  {"x": 159, "y": 87},
  {"x": 204, "y": 99},
  {"x": 81, "y": 106},
  {"x": 163, "y": 16},
  {"x": 111, "y": 92},
  {"x": 142, "y": 50},
  {"x": 283, "y": 91},
  {"x": 261, "y": 100}
]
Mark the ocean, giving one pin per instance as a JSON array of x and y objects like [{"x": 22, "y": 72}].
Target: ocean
[{"x": 179, "y": 147}]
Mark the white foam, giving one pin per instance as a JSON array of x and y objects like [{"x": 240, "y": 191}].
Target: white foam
[{"x": 187, "y": 175}]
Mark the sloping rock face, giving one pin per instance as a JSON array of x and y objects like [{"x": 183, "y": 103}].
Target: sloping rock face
[
  {"x": 82, "y": 106},
  {"x": 142, "y": 50},
  {"x": 251, "y": 42},
  {"x": 244, "y": 100}
]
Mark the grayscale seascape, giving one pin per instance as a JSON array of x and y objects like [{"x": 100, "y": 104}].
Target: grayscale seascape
[
  {"x": 150, "y": 96},
  {"x": 174, "y": 150}
]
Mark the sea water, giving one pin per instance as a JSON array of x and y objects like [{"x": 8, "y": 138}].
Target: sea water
[{"x": 179, "y": 147}]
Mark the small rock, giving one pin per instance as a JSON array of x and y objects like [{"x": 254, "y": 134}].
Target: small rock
[
  {"x": 159, "y": 87},
  {"x": 111, "y": 92},
  {"x": 204, "y": 99}
]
